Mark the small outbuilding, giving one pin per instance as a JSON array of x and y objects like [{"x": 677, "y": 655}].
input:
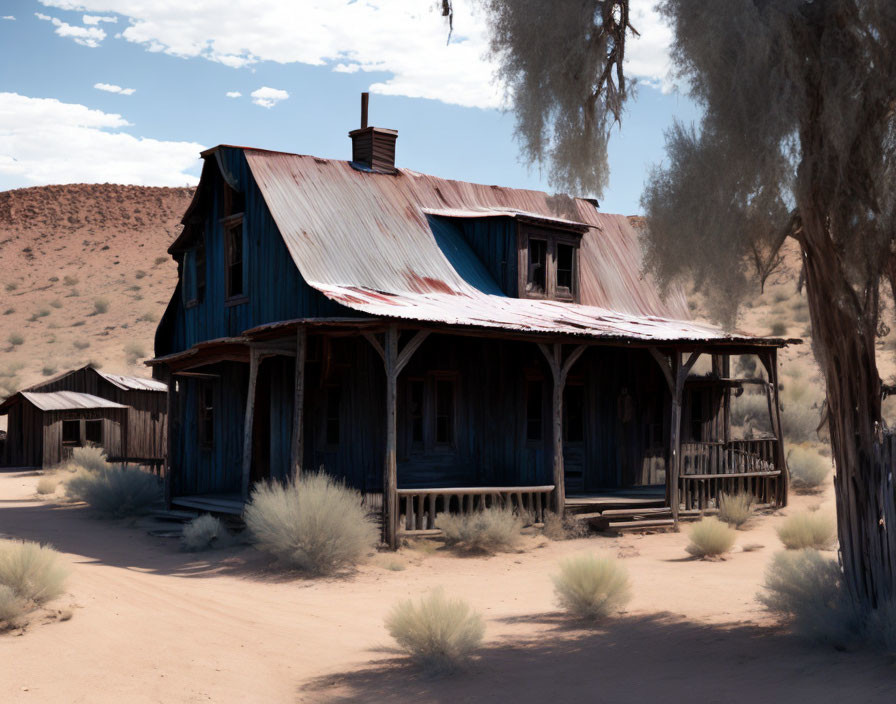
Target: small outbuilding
[{"x": 122, "y": 414}]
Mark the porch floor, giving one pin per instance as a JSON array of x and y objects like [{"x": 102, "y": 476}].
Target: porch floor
[
  {"x": 213, "y": 503},
  {"x": 634, "y": 497}
]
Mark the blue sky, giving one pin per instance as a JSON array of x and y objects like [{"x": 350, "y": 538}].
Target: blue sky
[{"x": 306, "y": 62}]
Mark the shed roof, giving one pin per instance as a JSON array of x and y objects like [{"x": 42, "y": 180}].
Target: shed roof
[
  {"x": 59, "y": 401},
  {"x": 125, "y": 383},
  {"x": 365, "y": 240}
]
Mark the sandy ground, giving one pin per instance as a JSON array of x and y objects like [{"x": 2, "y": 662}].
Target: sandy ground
[{"x": 153, "y": 624}]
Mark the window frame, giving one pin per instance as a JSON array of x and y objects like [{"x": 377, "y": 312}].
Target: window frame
[
  {"x": 205, "y": 414},
  {"x": 228, "y": 225},
  {"x": 429, "y": 412},
  {"x": 554, "y": 237},
  {"x": 71, "y": 443},
  {"x": 93, "y": 423}
]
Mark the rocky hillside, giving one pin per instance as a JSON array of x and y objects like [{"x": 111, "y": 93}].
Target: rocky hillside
[{"x": 84, "y": 276}]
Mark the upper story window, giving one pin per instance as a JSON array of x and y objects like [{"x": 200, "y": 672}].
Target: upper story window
[
  {"x": 234, "y": 257},
  {"x": 548, "y": 261}
]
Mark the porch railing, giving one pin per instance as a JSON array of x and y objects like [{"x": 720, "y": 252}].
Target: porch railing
[
  {"x": 709, "y": 469},
  {"x": 418, "y": 508}
]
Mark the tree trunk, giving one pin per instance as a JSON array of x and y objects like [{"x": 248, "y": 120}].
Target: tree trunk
[{"x": 843, "y": 328}]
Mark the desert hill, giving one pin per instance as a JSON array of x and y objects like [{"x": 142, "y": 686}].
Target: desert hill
[{"x": 84, "y": 276}]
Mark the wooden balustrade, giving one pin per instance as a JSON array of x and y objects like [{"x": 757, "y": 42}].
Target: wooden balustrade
[
  {"x": 709, "y": 469},
  {"x": 418, "y": 508}
]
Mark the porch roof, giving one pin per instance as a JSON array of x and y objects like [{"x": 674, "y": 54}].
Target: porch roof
[{"x": 58, "y": 401}]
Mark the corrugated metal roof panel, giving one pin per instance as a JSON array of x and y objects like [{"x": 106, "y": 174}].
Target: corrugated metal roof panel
[
  {"x": 364, "y": 240},
  {"x": 66, "y": 400},
  {"x": 483, "y": 212},
  {"x": 133, "y": 383}
]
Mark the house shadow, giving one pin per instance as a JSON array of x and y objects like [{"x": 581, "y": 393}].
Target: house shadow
[{"x": 633, "y": 659}]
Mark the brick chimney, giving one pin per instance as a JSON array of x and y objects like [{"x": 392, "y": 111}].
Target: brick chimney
[{"x": 373, "y": 148}]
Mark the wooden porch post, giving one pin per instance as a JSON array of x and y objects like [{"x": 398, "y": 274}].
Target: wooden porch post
[
  {"x": 393, "y": 362},
  {"x": 676, "y": 374},
  {"x": 250, "y": 413},
  {"x": 297, "y": 451},
  {"x": 770, "y": 362},
  {"x": 559, "y": 371},
  {"x": 169, "y": 438}
]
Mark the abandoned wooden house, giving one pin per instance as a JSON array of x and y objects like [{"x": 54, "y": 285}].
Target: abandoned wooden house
[
  {"x": 125, "y": 415},
  {"x": 440, "y": 345}
]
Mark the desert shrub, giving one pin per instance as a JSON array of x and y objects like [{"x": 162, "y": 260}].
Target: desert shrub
[
  {"x": 134, "y": 351},
  {"x": 11, "y": 605},
  {"x": 557, "y": 527},
  {"x": 807, "y": 530},
  {"x": 95, "y": 363},
  {"x": 159, "y": 260},
  {"x": 487, "y": 531},
  {"x": 139, "y": 274},
  {"x": 439, "y": 633},
  {"x": 116, "y": 492},
  {"x": 801, "y": 403},
  {"x": 46, "y": 485},
  {"x": 808, "y": 469},
  {"x": 735, "y": 509},
  {"x": 100, "y": 305},
  {"x": 31, "y": 571},
  {"x": 81, "y": 344},
  {"x": 11, "y": 286},
  {"x": 15, "y": 339},
  {"x": 148, "y": 317},
  {"x": 69, "y": 280},
  {"x": 9, "y": 311},
  {"x": 807, "y": 589},
  {"x": 40, "y": 313},
  {"x": 48, "y": 369},
  {"x": 56, "y": 303},
  {"x": 778, "y": 329},
  {"x": 312, "y": 523},
  {"x": 746, "y": 365},
  {"x": 750, "y": 410},
  {"x": 710, "y": 537},
  {"x": 204, "y": 533},
  {"x": 591, "y": 587},
  {"x": 93, "y": 459}
]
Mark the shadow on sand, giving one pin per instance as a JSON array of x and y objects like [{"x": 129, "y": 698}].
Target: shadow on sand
[{"x": 636, "y": 659}]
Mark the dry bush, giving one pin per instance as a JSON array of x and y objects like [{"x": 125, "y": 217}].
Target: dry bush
[
  {"x": 591, "y": 587},
  {"x": 100, "y": 305},
  {"x": 439, "y": 633},
  {"x": 40, "y": 313},
  {"x": 81, "y": 344},
  {"x": 750, "y": 411},
  {"x": 778, "y": 329},
  {"x": 46, "y": 485},
  {"x": 15, "y": 339},
  {"x": 312, "y": 523},
  {"x": 807, "y": 530},
  {"x": 31, "y": 571},
  {"x": 800, "y": 410},
  {"x": 93, "y": 459},
  {"x": 735, "y": 509},
  {"x": 148, "y": 317},
  {"x": 56, "y": 303},
  {"x": 807, "y": 589},
  {"x": 205, "y": 532},
  {"x": 69, "y": 280},
  {"x": 808, "y": 469},
  {"x": 11, "y": 286},
  {"x": 49, "y": 369},
  {"x": 565, "y": 527},
  {"x": 139, "y": 274},
  {"x": 9, "y": 311},
  {"x": 488, "y": 531},
  {"x": 710, "y": 537},
  {"x": 159, "y": 260},
  {"x": 134, "y": 351},
  {"x": 116, "y": 492},
  {"x": 11, "y": 606}
]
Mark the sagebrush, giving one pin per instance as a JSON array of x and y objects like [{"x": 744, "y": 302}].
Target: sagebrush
[
  {"x": 591, "y": 587},
  {"x": 204, "y": 533},
  {"x": 312, "y": 523},
  {"x": 563, "y": 527},
  {"x": 808, "y": 530},
  {"x": 116, "y": 491},
  {"x": 32, "y": 571},
  {"x": 487, "y": 531},
  {"x": 11, "y": 605},
  {"x": 47, "y": 485},
  {"x": 710, "y": 537},
  {"x": 439, "y": 633},
  {"x": 735, "y": 509},
  {"x": 808, "y": 469},
  {"x": 90, "y": 458}
]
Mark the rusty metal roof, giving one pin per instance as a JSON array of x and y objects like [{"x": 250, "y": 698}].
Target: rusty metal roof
[
  {"x": 133, "y": 383},
  {"x": 365, "y": 241},
  {"x": 60, "y": 401}
]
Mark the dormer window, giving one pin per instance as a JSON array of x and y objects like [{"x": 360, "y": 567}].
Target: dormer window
[
  {"x": 548, "y": 263},
  {"x": 233, "y": 253}
]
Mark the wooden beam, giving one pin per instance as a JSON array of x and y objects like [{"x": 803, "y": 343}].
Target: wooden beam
[
  {"x": 297, "y": 451},
  {"x": 372, "y": 339},
  {"x": 412, "y": 345},
  {"x": 770, "y": 362},
  {"x": 390, "y": 471},
  {"x": 170, "y": 421},
  {"x": 663, "y": 361},
  {"x": 674, "y": 467},
  {"x": 250, "y": 413}
]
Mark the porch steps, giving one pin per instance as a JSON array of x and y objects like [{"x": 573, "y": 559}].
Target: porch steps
[
  {"x": 632, "y": 518},
  {"x": 641, "y": 524}
]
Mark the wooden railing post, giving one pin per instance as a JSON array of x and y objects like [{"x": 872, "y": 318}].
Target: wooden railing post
[
  {"x": 297, "y": 450},
  {"x": 250, "y": 414},
  {"x": 770, "y": 362},
  {"x": 171, "y": 419}
]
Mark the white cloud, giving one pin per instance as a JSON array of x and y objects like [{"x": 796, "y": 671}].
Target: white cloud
[
  {"x": 43, "y": 140},
  {"x": 96, "y": 19},
  {"x": 404, "y": 39},
  {"x": 112, "y": 88},
  {"x": 86, "y": 36},
  {"x": 268, "y": 97},
  {"x": 234, "y": 94},
  {"x": 8, "y": 17}
]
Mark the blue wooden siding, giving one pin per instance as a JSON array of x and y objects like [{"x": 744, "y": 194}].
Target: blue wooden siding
[{"x": 494, "y": 240}]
